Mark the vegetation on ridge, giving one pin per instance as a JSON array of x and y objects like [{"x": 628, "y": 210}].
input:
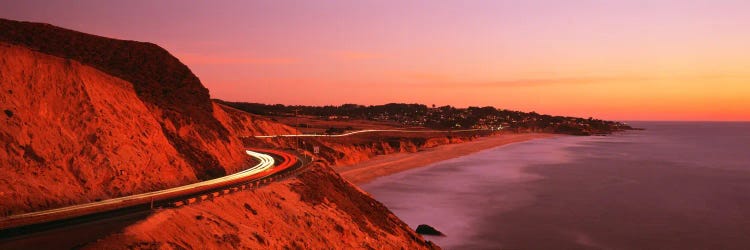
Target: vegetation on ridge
[{"x": 444, "y": 117}]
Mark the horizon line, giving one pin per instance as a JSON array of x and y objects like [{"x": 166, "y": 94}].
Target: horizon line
[{"x": 619, "y": 120}]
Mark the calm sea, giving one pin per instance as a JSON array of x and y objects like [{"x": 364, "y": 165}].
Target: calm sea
[{"x": 672, "y": 186}]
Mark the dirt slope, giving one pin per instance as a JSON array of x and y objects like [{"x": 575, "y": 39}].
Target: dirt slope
[
  {"x": 72, "y": 134},
  {"x": 318, "y": 210},
  {"x": 87, "y": 118},
  {"x": 170, "y": 91},
  {"x": 340, "y": 151}
]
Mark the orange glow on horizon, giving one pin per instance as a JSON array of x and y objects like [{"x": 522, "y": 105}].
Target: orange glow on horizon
[{"x": 671, "y": 60}]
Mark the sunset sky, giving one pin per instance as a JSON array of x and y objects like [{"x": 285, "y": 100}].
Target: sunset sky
[{"x": 623, "y": 60}]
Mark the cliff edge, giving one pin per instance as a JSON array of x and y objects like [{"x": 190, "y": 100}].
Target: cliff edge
[{"x": 88, "y": 118}]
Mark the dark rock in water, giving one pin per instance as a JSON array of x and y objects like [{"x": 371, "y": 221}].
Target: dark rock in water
[{"x": 428, "y": 230}]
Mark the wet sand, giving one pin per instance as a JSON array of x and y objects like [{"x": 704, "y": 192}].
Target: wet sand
[{"x": 384, "y": 165}]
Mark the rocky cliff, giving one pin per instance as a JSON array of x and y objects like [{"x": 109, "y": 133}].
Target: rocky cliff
[
  {"x": 338, "y": 151},
  {"x": 87, "y": 118},
  {"x": 317, "y": 210}
]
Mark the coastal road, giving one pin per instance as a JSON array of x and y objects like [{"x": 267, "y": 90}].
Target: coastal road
[
  {"x": 372, "y": 131},
  {"x": 272, "y": 165},
  {"x": 59, "y": 227}
]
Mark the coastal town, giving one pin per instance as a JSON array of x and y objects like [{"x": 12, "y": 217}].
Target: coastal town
[{"x": 440, "y": 117}]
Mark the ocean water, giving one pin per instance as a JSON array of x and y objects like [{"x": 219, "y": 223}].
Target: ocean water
[{"x": 671, "y": 186}]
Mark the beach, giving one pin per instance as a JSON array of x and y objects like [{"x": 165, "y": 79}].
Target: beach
[
  {"x": 671, "y": 186},
  {"x": 383, "y": 165}
]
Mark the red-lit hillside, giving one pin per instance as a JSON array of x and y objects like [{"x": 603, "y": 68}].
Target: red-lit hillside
[{"x": 86, "y": 118}]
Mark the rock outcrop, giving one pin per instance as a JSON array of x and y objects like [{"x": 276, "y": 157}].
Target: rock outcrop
[{"x": 425, "y": 229}]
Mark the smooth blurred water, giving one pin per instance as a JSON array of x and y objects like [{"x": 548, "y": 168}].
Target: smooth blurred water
[{"x": 672, "y": 186}]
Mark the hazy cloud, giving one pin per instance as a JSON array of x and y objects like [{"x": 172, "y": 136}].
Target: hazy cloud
[
  {"x": 356, "y": 55},
  {"x": 197, "y": 59},
  {"x": 536, "y": 82}
]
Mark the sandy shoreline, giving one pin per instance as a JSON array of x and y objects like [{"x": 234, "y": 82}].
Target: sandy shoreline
[{"x": 383, "y": 165}]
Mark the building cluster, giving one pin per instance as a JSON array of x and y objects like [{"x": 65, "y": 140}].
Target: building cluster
[{"x": 445, "y": 117}]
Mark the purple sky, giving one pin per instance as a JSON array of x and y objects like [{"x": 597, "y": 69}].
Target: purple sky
[{"x": 673, "y": 60}]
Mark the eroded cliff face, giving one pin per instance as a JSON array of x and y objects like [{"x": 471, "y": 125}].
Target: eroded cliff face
[
  {"x": 245, "y": 125},
  {"x": 339, "y": 151},
  {"x": 317, "y": 210},
  {"x": 339, "y": 154},
  {"x": 87, "y": 118},
  {"x": 166, "y": 87},
  {"x": 73, "y": 134}
]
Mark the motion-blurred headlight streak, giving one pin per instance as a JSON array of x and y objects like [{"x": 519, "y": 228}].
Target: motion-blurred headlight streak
[{"x": 265, "y": 162}]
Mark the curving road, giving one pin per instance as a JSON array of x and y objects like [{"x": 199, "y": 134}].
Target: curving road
[
  {"x": 267, "y": 169},
  {"x": 371, "y": 131},
  {"x": 272, "y": 165}
]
